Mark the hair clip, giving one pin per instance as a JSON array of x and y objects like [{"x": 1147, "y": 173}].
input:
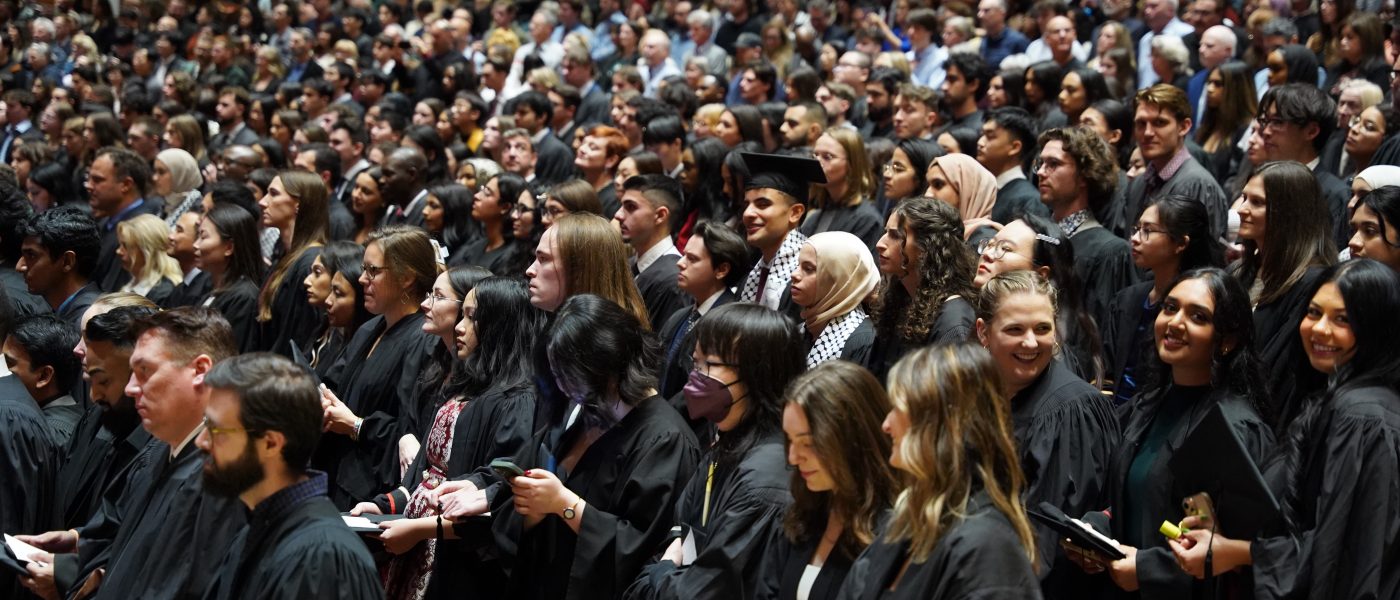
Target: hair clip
[
  {"x": 439, "y": 252},
  {"x": 1047, "y": 239}
]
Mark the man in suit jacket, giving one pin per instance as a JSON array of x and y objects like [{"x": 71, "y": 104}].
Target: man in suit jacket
[
  {"x": 1007, "y": 143},
  {"x": 579, "y": 71},
  {"x": 18, "y": 107},
  {"x": 404, "y": 186},
  {"x": 116, "y": 184},
  {"x": 714, "y": 262},
  {"x": 231, "y": 111},
  {"x": 649, "y": 205},
  {"x": 533, "y": 113}
]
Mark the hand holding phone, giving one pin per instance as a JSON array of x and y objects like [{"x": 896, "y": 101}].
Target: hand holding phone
[{"x": 506, "y": 469}]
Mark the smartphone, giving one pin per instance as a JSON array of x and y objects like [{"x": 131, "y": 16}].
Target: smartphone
[
  {"x": 1200, "y": 505},
  {"x": 506, "y": 469}
]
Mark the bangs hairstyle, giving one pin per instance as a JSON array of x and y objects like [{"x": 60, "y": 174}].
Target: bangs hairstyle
[
  {"x": 959, "y": 440},
  {"x": 845, "y": 406},
  {"x": 408, "y": 254},
  {"x": 1297, "y": 231},
  {"x": 594, "y": 347},
  {"x": 190, "y": 331},
  {"x": 594, "y": 258},
  {"x": 768, "y": 352},
  {"x": 946, "y": 268},
  {"x": 274, "y": 394},
  {"x": 308, "y": 231}
]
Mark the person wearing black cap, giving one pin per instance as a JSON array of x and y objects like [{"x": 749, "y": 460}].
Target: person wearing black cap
[{"x": 775, "y": 200}]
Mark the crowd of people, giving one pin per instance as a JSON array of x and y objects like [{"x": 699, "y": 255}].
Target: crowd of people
[{"x": 692, "y": 299}]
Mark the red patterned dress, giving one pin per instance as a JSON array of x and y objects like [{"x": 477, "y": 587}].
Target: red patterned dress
[{"x": 408, "y": 574}]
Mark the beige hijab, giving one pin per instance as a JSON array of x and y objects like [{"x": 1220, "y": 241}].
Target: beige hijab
[
  {"x": 846, "y": 276},
  {"x": 976, "y": 188}
]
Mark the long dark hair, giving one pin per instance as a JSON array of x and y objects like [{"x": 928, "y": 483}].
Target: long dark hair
[
  {"x": 457, "y": 223},
  {"x": 1119, "y": 117},
  {"x": 430, "y": 143},
  {"x": 1013, "y": 81},
  {"x": 346, "y": 258},
  {"x": 1384, "y": 201},
  {"x": 1186, "y": 217},
  {"x": 441, "y": 361},
  {"x": 1095, "y": 87},
  {"x": 510, "y": 186},
  {"x": 707, "y": 198},
  {"x": 921, "y": 153},
  {"x": 768, "y": 353},
  {"x": 1296, "y": 231},
  {"x": 592, "y": 348},
  {"x": 1077, "y": 327},
  {"x": 750, "y": 122},
  {"x": 1237, "y": 108},
  {"x": 240, "y": 227},
  {"x": 946, "y": 269},
  {"x": 1370, "y": 291},
  {"x": 507, "y": 326}
]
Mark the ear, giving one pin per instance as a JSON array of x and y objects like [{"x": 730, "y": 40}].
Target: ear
[
  {"x": 722, "y": 271},
  {"x": 1115, "y": 136},
  {"x": 795, "y": 213},
  {"x": 1043, "y": 271},
  {"x": 202, "y": 364},
  {"x": 46, "y": 376},
  {"x": 612, "y": 162},
  {"x": 982, "y": 332},
  {"x": 69, "y": 261},
  {"x": 1016, "y": 147},
  {"x": 270, "y": 445},
  {"x": 663, "y": 215},
  {"x": 1311, "y": 131},
  {"x": 1186, "y": 126},
  {"x": 1183, "y": 244}
]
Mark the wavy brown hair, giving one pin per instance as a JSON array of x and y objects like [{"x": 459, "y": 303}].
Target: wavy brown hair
[
  {"x": 946, "y": 268},
  {"x": 959, "y": 441},
  {"x": 1093, "y": 159},
  {"x": 309, "y": 231},
  {"x": 595, "y": 262},
  {"x": 844, "y": 405},
  {"x": 1296, "y": 232}
]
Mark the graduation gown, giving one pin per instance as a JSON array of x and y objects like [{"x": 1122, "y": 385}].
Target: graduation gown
[
  {"x": 1159, "y": 496},
  {"x": 1344, "y": 544},
  {"x": 732, "y": 539},
  {"x": 188, "y": 293},
  {"x": 238, "y": 303},
  {"x": 22, "y": 303},
  {"x": 28, "y": 458},
  {"x": 1018, "y": 197},
  {"x": 293, "y": 318},
  {"x": 862, "y": 220},
  {"x": 378, "y": 388},
  {"x": 475, "y": 254},
  {"x": 73, "y": 308},
  {"x": 979, "y": 556},
  {"x": 1123, "y": 343},
  {"x": 1066, "y": 434},
  {"x": 1291, "y": 379},
  {"x": 787, "y": 560},
  {"x": 98, "y": 458},
  {"x": 296, "y": 549},
  {"x": 955, "y": 323},
  {"x": 167, "y": 536},
  {"x": 1104, "y": 264},
  {"x": 659, "y": 290},
  {"x": 630, "y": 478}
]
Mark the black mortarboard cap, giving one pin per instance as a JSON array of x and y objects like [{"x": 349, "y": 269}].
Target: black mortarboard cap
[
  {"x": 790, "y": 175},
  {"x": 1214, "y": 460}
]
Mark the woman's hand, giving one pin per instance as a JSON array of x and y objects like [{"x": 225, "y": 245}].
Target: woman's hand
[
  {"x": 675, "y": 552},
  {"x": 1124, "y": 570},
  {"x": 338, "y": 417},
  {"x": 468, "y": 502},
  {"x": 400, "y": 536},
  {"x": 1089, "y": 561},
  {"x": 408, "y": 450},
  {"x": 1226, "y": 554},
  {"x": 539, "y": 492},
  {"x": 365, "y": 508},
  {"x": 447, "y": 487}
]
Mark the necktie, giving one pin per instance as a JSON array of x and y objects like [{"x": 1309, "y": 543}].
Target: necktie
[
  {"x": 762, "y": 283},
  {"x": 635, "y": 271},
  {"x": 676, "y": 341}
]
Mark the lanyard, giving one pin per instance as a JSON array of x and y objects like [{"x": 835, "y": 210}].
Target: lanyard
[{"x": 709, "y": 483}]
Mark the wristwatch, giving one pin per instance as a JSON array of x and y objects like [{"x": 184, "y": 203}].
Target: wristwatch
[{"x": 570, "y": 512}]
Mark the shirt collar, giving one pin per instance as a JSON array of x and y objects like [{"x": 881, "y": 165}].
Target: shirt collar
[
  {"x": 709, "y": 303},
  {"x": 176, "y": 450},
  {"x": 1073, "y": 222},
  {"x": 24, "y": 126},
  {"x": 189, "y": 277},
  {"x": 1173, "y": 165},
  {"x": 676, "y": 172},
  {"x": 1312, "y": 164},
  {"x": 1009, "y": 176},
  {"x": 289, "y": 497},
  {"x": 653, "y": 254},
  {"x": 539, "y": 137},
  {"x": 117, "y": 218}
]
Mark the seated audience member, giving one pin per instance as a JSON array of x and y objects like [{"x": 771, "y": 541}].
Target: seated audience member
[
  {"x": 842, "y": 484},
  {"x": 141, "y": 244},
  {"x": 650, "y": 204},
  {"x": 194, "y": 282},
  {"x": 57, "y": 260},
  {"x": 491, "y": 211},
  {"x": 39, "y": 352},
  {"x": 835, "y": 277},
  {"x": 951, "y": 533},
  {"x": 1294, "y": 123},
  {"x": 227, "y": 248},
  {"x": 1375, "y": 222},
  {"x": 296, "y": 205},
  {"x": 295, "y": 543},
  {"x": 1006, "y": 148},
  {"x": 845, "y": 202},
  {"x": 776, "y": 199}
]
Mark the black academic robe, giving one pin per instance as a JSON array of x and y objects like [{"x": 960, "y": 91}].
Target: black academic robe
[
  {"x": 731, "y": 539},
  {"x": 296, "y": 552},
  {"x": 475, "y": 254},
  {"x": 62, "y": 419},
  {"x": 955, "y": 323},
  {"x": 630, "y": 479},
  {"x": 1344, "y": 543},
  {"x": 1066, "y": 434},
  {"x": 293, "y": 318},
  {"x": 188, "y": 293},
  {"x": 97, "y": 460},
  {"x": 28, "y": 460},
  {"x": 1104, "y": 264},
  {"x": 168, "y": 534},
  {"x": 108, "y": 273},
  {"x": 1338, "y": 194},
  {"x": 72, "y": 309},
  {"x": 862, "y": 220},
  {"x": 858, "y": 346},
  {"x": 1280, "y": 351},
  {"x": 607, "y": 198},
  {"x": 556, "y": 160},
  {"x": 378, "y": 388},
  {"x": 659, "y": 290},
  {"x": 238, "y": 302},
  {"x": 22, "y": 303},
  {"x": 1016, "y": 198},
  {"x": 978, "y": 556},
  {"x": 1122, "y": 342},
  {"x": 787, "y": 560},
  {"x": 1159, "y": 575},
  {"x": 675, "y": 369}
]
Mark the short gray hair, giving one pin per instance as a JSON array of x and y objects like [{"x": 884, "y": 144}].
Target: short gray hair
[
  {"x": 1173, "y": 50},
  {"x": 700, "y": 17}
]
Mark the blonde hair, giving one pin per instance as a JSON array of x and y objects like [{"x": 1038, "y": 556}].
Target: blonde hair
[
  {"x": 543, "y": 77},
  {"x": 122, "y": 299},
  {"x": 710, "y": 114},
  {"x": 959, "y": 440},
  {"x": 274, "y": 62},
  {"x": 897, "y": 61},
  {"x": 145, "y": 238},
  {"x": 860, "y": 177}
]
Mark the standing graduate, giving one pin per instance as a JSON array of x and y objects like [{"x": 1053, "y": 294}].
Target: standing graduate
[
  {"x": 604, "y": 472},
  {"x": 339, "y": 264},
  {"x": 959, "y": 529},
  {"x": 926, "y": 296},
  {"x": 835, "y": 276},
  {"x": 841, "y": 486},
  {"x": 381, "y": 368},
  {"x": 775, "y": 198},
  {"x": 226, "y": 248},
  {"x": 1203, "y": 358},
  {"x": 745, "y": 356},
  {"x": 263, "y": 421},
  {"x": 1335, "y": 474},
  {"x": 297, "y": 206},
  {"x": 650, "y": 204},
  {"x": 1064, "y": 428},
  {"x": 846, "y": 200}
]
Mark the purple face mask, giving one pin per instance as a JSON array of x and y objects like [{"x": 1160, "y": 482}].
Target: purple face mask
[{"x": 707, "y": 397}]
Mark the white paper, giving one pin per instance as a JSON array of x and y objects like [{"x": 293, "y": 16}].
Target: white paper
[
  {"x": 22, "y": 550},
  {"x": 358, "y": 522},
  {"x": 688, "y": 548}
]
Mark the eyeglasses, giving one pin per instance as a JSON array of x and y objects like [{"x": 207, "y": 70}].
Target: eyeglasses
[
  {"x": 213, "y": 431},
  {"x": 371, "y": 270},
  {"x": 520, "y": 210},
  {"x": 1146, "y": 232},
  {"x": 434, "y": 297},
  {"x": 995, "y": 250},
  {"x": 896, "y": 168},
  {"x": 1274, "y": 123}
]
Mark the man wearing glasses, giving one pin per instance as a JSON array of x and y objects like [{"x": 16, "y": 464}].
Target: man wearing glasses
[
  {"x": 1294, "y": 123},
  {"x": 1161, "y": 125}
]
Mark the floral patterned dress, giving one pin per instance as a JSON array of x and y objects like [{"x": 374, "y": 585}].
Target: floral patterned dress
[{"x": 408, "y": 574}]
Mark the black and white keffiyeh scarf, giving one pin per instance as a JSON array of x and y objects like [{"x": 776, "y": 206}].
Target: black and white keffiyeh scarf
[
  {"x": 779, "y": 273},
  {"x": 832, "y": 340}
]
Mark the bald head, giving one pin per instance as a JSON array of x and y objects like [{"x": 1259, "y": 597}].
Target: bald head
[
  {"x": 403, "y": 175},
  {"x": 1217, "y": 46}
]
